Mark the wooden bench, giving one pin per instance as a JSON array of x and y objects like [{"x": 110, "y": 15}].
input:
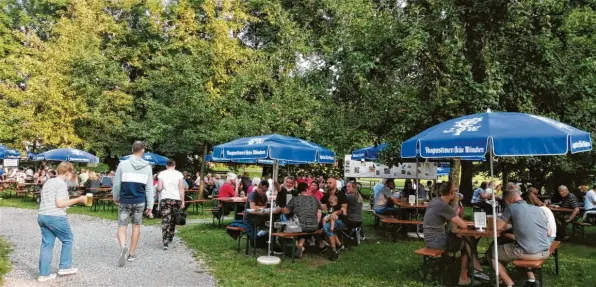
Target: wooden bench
[
  {"x": 294, "y": 236},
  {"x": 432, "y": 260},
  {"x": 579, "y": 226},
  {"x": 241, "y": 233},
  {"x": 379, "y": 217},
  {"x": 537, "y": 264},
  {"x": 398, "y": 222}
]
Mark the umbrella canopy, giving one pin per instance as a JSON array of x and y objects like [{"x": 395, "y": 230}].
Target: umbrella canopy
[
  {"x": 67, "y": 154},
  {"x": 210, "y": 158},
  {"x": 152, "y": 158},
  {"x": 31, "y": 156},
  {"x": 274, "y": 147},
  {"x": 368, "y": 153},
  {"x": 512, "y": 134},
  {"x": 6, "y": 152}
]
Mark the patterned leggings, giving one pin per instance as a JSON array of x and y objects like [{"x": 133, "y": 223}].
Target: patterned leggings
[{"x": 169, "y": 210}]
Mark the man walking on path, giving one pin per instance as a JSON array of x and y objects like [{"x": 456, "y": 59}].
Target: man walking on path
[{"x": 133, "y": 187}]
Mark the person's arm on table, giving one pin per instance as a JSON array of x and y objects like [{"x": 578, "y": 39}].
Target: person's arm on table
[{"x": 573, "y": 214}]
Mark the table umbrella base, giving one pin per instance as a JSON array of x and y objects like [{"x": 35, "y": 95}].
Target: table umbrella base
[{"x": 268, "y": 260}]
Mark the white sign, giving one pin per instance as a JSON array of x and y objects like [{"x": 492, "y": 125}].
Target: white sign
[
  {"x": 480, "y": 220},
  {"x": 358, "y": 169},
  {"x": 412, "y": 199},
  {"x": 11, "y": 162}
]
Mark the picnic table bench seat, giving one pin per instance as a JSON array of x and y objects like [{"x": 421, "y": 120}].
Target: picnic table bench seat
[
  {"x": 294, "y": 236},
  {"x": 579, "y": 226},
  {"x": 397, "y": 224},
  {"x": 241, "y": 233},
  {"x": 434, "y": 262},
  {"x": 537, "y": 264}
]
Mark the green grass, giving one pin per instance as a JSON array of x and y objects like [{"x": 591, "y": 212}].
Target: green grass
[
  {"x": 377, "y": 262},
  {"x": 108, "y": 214},
  {"x": 4, "y": 261}
]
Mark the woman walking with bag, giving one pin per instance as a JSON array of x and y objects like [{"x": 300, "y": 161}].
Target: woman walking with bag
[
  {"x": 171, "y": 185},
  {"x": 53, "y": 223}
]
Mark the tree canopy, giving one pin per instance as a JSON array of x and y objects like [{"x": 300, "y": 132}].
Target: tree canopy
[{"x": 188, "y": 74}]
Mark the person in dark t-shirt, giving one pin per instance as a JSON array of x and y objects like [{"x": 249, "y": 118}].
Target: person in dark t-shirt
[{"x": 340, "y": 210}]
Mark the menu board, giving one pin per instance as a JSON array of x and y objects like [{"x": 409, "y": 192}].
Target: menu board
[
  {"x": 356, "y": 168},
  {"x": 11, "y": 162}
]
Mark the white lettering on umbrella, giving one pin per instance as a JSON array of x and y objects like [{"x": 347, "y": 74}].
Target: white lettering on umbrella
[
  {"x": 454, "y": 150},
  {"x": 467, "y": 125},
  {"x": 553, "y": 123},
  {"x": 581, "y": 144}
]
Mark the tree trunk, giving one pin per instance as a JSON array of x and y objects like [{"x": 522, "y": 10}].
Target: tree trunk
[
  {"x": 201, "y": 174},
  {"x": 455, "y": 176},
  {"x": 467, "y": 174}
]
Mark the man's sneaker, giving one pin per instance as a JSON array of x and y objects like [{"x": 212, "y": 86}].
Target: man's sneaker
[
  {"x": 532, "y": 284},
  {"x": 46, "y": 278},
  {"x": 132, "y": 258},
  {"x": 481, "y": 275},
  {"x": 334, "y": 256},
  {"x": 123, "y": 254},
  {"x": 165, "y": 247},
  {"x": 68, "y": 271},
  {"x": 340, "y": 248}
]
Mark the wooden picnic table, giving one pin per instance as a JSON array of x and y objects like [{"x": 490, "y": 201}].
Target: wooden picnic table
[
  {"x": 562, "y": 209},
  {"x": 472, "y": 237},
  {"x": 235, "y": 199},
  {"x": 406, "y": 205}
]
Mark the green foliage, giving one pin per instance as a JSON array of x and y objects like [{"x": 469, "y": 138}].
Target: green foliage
[{"x": 185, "y": 75}]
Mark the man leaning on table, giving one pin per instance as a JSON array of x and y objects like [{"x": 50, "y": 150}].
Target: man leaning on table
[
  {"x": 569, "y": 201},
  {"x": 530, "y": 231}
]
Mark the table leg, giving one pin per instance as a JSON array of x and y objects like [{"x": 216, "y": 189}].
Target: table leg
[
  {"x": 293, "y": 248},
  {"x": 473, "y": 243}
]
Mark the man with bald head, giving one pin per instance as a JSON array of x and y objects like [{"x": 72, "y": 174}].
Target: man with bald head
[
  {"x": 339, "y": 210},
  {"x": 568, "y": 200}
]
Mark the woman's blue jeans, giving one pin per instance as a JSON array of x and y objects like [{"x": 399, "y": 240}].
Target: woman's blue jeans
[{"x": 52, "y": 227}]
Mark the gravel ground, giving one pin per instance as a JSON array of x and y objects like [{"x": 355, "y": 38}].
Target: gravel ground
[{"x": 96, "y": 252}]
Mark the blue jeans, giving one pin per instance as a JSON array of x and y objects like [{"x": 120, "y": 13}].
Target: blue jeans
[
  {"x": 339, "y": 225},
  {"x": 52, "y": 227},
  {"x": 386, "y": 210}
]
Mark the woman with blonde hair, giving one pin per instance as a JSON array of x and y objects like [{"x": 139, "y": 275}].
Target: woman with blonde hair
[
  {"x": 53, "y": 223},
  {"x": 354, "y": 222},
  {"x": 93, "y": 183}
]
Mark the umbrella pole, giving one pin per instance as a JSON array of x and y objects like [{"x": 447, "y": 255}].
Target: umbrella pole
[
  {"x": 416, "y": 183},
  {"x": 270, "y": 259},
  {"x": 494, "y": 219}
]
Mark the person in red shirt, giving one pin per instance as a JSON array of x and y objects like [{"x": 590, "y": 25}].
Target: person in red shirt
[
  {"x": 228, "y": 189},
  {"x": 315, "y": 191}
]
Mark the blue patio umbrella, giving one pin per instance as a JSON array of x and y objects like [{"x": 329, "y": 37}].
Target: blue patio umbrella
[
  {"x": 498, "y": 134},
  {"x": 508, "y": 134},
  {"x": 210, "y": 158},
  {"x": 31, "y": 156},
  {"x": 152, "y": 158},
  {"x": 368, "y": 153},
  {"x": 274, "y": 147},
  {"x": 6, "y": 152},
  {"x": 67, "y": 154},
  {"x": 277, "y": 148}
]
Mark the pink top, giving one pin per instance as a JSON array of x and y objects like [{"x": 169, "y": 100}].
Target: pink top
[
  {"x": 318, "y": 195},
  {"x": 250, "y": 189}
]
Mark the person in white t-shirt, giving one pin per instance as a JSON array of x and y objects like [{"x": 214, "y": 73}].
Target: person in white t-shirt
[{"x": 171, "y": 187}]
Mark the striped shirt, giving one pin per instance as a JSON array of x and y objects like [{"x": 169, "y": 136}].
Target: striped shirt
[{"x": 53, "y": 189}]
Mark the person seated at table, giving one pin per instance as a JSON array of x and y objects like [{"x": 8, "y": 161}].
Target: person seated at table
[
  {"x": 93, "y": 184},
  {"x": 308, "y": 211},
  {"x": 331, "y": 217},
  {"x": 438, "y": 214},
  {"x": 340, "y": 210},
  {"x": 256, "y": 201},
  {"x": 228, "y": 189},
  {"x": 255, "y": 183},
  {"x": 286, "y": 192},
  {"x": 568, "y": 200},
  {"x": 354, "y": 216},
  {"x": 408, "y": 189},
  {"x": 219, "y": 182},
  {"x": 532, "y": 199},
  {"x": 581, "y": 194},
  {"x": 530, "y": 228},
  {"x": 315, "y": 190},
  {"x": 590, "y": 201},
  {"x": 480, "y": 197},
  {"x": 384, "y": 201}
]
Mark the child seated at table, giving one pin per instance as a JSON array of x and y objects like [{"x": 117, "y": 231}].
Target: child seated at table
[{"x": 330, "y": 217}]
